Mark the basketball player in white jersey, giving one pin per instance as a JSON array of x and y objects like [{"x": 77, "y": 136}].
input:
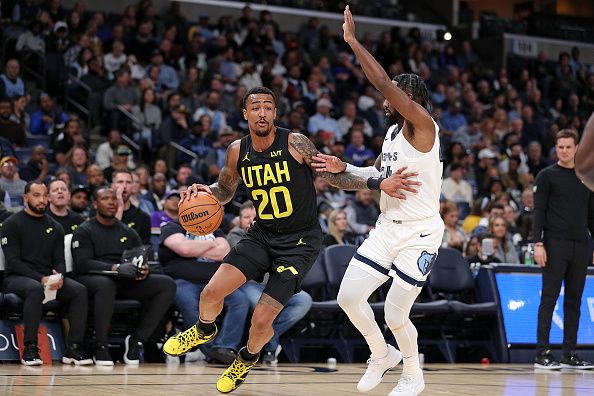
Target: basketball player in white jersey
[{"x": 408, "y": 233}]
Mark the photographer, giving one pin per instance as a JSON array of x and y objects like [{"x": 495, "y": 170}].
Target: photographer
[{"x": 98, "y": 245}]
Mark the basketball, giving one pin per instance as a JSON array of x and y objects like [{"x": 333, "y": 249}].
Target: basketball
[{"x": 201, "y": 215}]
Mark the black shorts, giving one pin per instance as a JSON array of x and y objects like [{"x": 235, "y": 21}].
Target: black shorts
[{"x": 286, "y": 257}]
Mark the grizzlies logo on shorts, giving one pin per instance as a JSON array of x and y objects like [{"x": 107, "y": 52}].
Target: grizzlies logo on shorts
[{"x": 425, "y": 262}]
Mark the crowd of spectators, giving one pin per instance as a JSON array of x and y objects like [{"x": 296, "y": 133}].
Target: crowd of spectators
[{"x": 156, "y": 78}]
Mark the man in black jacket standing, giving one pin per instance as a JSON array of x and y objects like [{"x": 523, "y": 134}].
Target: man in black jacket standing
[
  {"x": 33, "y": 244},
  {"x": 563, "y": 213},
  {"x": 98, "y": 245}
]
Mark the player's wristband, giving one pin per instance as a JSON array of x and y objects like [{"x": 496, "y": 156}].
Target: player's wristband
[{"x": 373, "y": 183}]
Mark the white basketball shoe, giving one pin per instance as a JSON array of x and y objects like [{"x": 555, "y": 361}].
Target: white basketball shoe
[
  {"x": 376, "y": 368},
  {"x": 409, "y": 385}
]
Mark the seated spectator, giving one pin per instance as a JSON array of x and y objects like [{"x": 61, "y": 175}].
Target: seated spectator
[
  {"x": 505, "y": 250},
  {"x": 115, "y": 59},
  {"x": 65, "y": 141},
  {"x": 338, "y": 230},
  {"x": 474, "y": 217},
  {"x": 79, "y": 200},
  {"x": 32, "y": 39},
  {"x": 167, "y": 79},
  {"x": 322, "y": 121},
  {"x": 33, "y": 244},
  {"x": 362, "y": 213},
  {"x": 58, "y": 41},
  {"x": 95, "y": 177},
  {"x": 199, "y": 141},
  {"x": 80, "y": 67},
  {"x": 184, "y": 171},
  {"x": 471, "y": 247},
  {"x": 454, "y": 236},
  {"x": 59, "y": 206},
  {"x": 480, "y": 256},
  {"x": 121, "y": 94},
  {"x": 157, "y": 191},
  {"x": 192, "y": 261},
  {"x": 19, "y": 115},
  {"x": 105, "y": 150},
  {"x": 162, "y": 217},
  {"x": 9, "y": 129},
  {"x": 47, "y": 118},
  {"x": 37, "y": 168},
  {"x": 129, "y": 214},
  {"x": 211, "y": 107},
  {"x": 11, "y": 84},
  {"x": 349, "y": 115},
  {"x": 215, "y": 160},
  {"x": 11, "y": 182},
  {"x": 119, "y": 162},
  {"x": 513, "y": 179},
  {"x": 77, "y": 162},
  {"x": 356, "y": 150},
  {"x": 98, "y": 245},
  {"x": 148, "y": 117},
  {"x": 136, "y": 198},
  {"x": 295, "y": 309},
  {"x": 456, "y": 189}
]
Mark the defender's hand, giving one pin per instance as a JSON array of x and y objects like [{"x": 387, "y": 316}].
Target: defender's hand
[
  {"x": 192, "y": 191},
  {"x": 348, "y": 27},
  {"x": 399, "y": 182},
  {"x": 328, "y": 163}
]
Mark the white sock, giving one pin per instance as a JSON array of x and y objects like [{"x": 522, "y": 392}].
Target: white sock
[{"x": 406, "y": 337}]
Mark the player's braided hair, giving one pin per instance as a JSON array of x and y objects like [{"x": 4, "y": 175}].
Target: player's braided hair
[{"x": 414, "y": 85}]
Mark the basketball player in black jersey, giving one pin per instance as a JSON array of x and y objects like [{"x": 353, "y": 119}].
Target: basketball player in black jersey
[
  {"x": 584, "y": 158},
  {"x": 275, "y": 165}
]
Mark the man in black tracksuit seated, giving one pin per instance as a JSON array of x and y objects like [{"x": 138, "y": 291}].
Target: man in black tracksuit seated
[
  {"x": 98, "y": 245},
  {"x": 33, "y": 244}
]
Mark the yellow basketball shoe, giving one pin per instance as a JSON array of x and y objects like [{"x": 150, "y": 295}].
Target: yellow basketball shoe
[
  {"x": 235, "y": 374},
  {"x": 186, "y": 340}
]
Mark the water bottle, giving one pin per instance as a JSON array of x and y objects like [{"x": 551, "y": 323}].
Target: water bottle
[{"x": 529, "y": 255}]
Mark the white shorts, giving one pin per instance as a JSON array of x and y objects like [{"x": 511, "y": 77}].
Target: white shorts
[{"x": 404, "y": 250}]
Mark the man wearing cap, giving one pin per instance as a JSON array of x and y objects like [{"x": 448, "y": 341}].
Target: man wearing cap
[
  {"x": 119, "y": 162},
  {"x": 162, "y": 217},
  {"x": 106, "y": 149},
  {"x": 11, "y": 182},
  {"x": 59, "y": 207},
  {"x": 486, "y": 159},
  {"x": 321, "y": 121},
  {"x": 79, "y": 200}
]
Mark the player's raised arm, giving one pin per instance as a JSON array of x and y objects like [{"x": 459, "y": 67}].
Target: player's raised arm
[
  {"x": 402, "y": 101},
  {"x": 584, "y": 158},
  {"x": 225, "y": 186}
]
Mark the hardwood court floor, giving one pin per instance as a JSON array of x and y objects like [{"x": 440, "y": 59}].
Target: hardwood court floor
[{"x": 285, "y": 380}]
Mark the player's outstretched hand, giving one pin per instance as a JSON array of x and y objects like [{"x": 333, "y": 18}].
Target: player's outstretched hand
[
  {"x": 327, "y": 163},
  {"x": 348, "y": 27},
  {"x": 399, "y": 182},
  {"x": 192, "y": 191}
]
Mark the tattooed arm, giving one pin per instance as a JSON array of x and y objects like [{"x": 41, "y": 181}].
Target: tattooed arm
[
  {"x": 303, "y": 150},
  {"x": 225, "y": 186}
]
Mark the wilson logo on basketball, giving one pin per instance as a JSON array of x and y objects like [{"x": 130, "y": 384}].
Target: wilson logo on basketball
[{"x": 193, "y": 216}]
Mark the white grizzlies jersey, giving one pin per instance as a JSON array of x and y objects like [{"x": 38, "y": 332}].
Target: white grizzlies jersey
[{"x": 398, "y": 152}]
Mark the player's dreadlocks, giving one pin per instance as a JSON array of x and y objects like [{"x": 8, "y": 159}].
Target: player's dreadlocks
[{"x": 413, "y": 84}]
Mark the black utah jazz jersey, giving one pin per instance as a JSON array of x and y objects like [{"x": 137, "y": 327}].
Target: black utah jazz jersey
[{"x": 281, "y": 188}]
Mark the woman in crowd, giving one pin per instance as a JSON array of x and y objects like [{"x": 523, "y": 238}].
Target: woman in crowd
[
  {"x": 505, "y": 250},
  {"x": 338, "y": 232},
  {"x": 454, "y": 236}
]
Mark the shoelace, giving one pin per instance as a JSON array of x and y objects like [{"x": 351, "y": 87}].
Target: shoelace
[
  {"x": 237, "y": 369},
  {"x": 371, "y": 363},
  {"x": 189, "y": 337},
  {"x": 403, "y": 383}
]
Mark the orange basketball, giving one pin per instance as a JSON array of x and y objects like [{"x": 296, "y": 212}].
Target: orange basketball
[{"x": 201, "y": 215}]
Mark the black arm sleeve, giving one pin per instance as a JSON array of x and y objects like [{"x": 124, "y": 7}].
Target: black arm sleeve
[
  {"x": 58, "y": 260},
  {"x": 83, "y": 253},
  {"x": 11, "y": 246},
  {"x": 541, "y": 197},
  {"x": 144, "y": 229}
]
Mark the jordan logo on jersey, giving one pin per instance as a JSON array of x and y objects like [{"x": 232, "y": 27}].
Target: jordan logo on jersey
[{"x": 426, "y": 261}]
